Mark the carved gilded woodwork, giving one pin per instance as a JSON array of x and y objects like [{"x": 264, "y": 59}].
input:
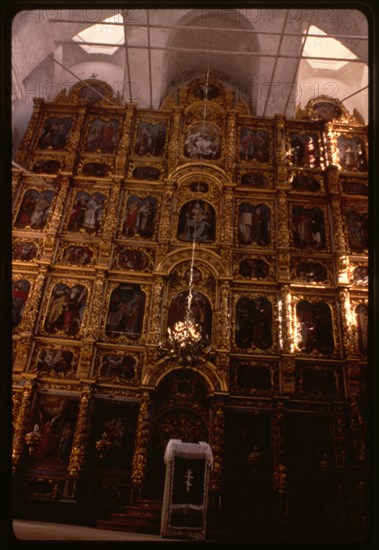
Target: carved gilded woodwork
[
  {"x": 80, "y": 435},
  {"x": 174, "y": 143},
  {"x": 216, "y": 441},
  {"x": 155, "y": 328},
  {"x": 24, "y": 149},
  {"x": 230, "y": 144},
  {"x": 124, "y": 144},
  {"x": 327, "y": 109},
  {"x": 287, "y": 369},
  {"x": 251, "y": 162},
  {"x": 21, "y": 426},
  {"x": 142, "y": 440},
  {"x": 224, "y": 320},
  {"x": 206, "y": 89},
  {"x": 91, "y": 92}
]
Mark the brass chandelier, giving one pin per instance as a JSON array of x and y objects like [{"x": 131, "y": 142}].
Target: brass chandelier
[{"x": 185, "y": 339}]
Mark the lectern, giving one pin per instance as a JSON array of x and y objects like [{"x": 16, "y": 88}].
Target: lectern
[{"x": 185, "y": 494}]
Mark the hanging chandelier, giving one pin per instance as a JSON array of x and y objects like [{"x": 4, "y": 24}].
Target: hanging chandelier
[{"x": 185, "y": 339}]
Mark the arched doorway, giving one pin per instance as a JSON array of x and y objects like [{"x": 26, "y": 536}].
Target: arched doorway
[{"x": 180, "y": 411}]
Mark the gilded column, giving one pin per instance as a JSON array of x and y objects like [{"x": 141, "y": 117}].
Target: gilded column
[
  {"x": 174, "y": 145},
  {"x": 224, "y": 319},
  {"x": 358, "y": 433},
  {"x": 331, "y": 155},
  {"x": 27, "y": 140},
  {"x": 285, "y": 320},
  {"x": 283, "y": 238},
  {"x": 95, "y": 316},
  {"x": 339, "y": 237},
  {"x": 154, "y": 335},
  {"x": 123, "y": 147},
  {"x": 227, "y": 219},
  {"x": 141, "y": 445},
  {"x": 217, "y": 446},
  {"x": 230, "y": 143},
  {"x": 280, "y": 467},
  {"x": 281, "y": 155},
  {"x": 348, "y": 326},
  {"x": 110, "y": 226},
  {"x": 80, "y": 436},
  {"x": 73, "y": 146},
  {"x": 340, "y": 438},
  {"x": 21, "y": 426},
  {"x": 165, "y": 224}
]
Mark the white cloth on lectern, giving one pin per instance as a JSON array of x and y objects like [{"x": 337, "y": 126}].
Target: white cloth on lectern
[{"x": 177, "y": 447}]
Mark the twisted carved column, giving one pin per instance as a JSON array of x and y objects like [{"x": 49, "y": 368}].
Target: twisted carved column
[
  {"x": 156, "y": 313},
  {"x": 21, "y": 426},
  {"x": 217, "y": 445},
  {"x": 80, "y": 436},
  {"x": 286, "y": 321},
  {"x": 123, "y": 147},
  {"x": 73, "y": 145},
  {"x": 141, "y": 444},
  {"x": 230, "y": 145},
  {"x": 227, "y": 225},
  {"x": 24, "y": 148},
  {"x": 165, "y": 224},
  {"x": 224, "y": 319},
  {"x": 174, "y": 145},
  {"x": 281, "y": 157},
  {"x": 280, "y": 467},
  {"x": 348, "y": 327},
  {"x": 93, "y": 326}
]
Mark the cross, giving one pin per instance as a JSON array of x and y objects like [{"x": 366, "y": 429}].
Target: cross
[
  {"x": 93, "y": 75},
  {"x": 188, "y": 477}
]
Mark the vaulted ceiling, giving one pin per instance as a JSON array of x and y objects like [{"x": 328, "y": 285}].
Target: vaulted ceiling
[{"x": 274, "y": 60}]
